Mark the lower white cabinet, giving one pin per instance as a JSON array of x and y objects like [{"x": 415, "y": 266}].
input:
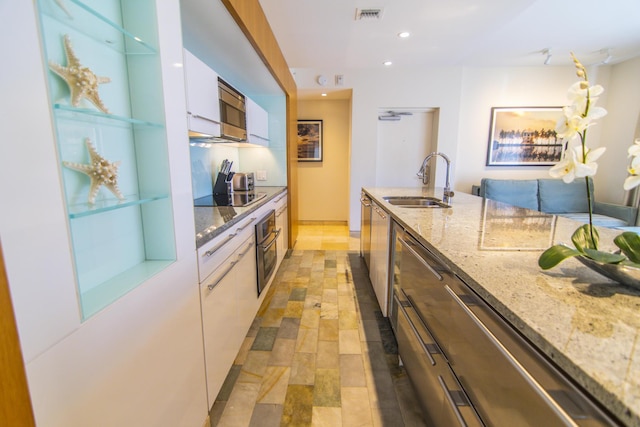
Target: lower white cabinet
[
  {"x": 282, "y": 223},
  {"x": 229, "y": 300},
  {"x": 379, "y": 268}
]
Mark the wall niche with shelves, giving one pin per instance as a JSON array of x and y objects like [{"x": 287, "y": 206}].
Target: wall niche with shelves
[{"x": 105, "y": 89}]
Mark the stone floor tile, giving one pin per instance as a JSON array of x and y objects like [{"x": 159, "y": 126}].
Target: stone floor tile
[
  {"x": 264, "y": 339},
  {"x": 326, "y": 417},
  {"x": 326, "y": 390},
  {"x": 352, "y": 371},
  {"x": 327, "y": 355},
  {"x": 298, "y": 294},
  {"x": 303, "y": 369},
  {"x": 244, "y": 350},
  {"x": 356, "y": 411},
  {"x": 274, "y": 385},
  {"x": 272, "y": 317},
  {"x": 310, "y": 318},
  {"x": 349, "y": 340},
  {"x": 282, "y": 353},
  {"x": 328, "y": 330},
  {"x": 294, "y": 309},
  {"x": 307, "y": 341},
  {"x": 298, "y": 406},
  {"x": 266, "y": 415},
  {"x": 329, "y": 310},
  {"x": 289, "y": 328},
  {"x": 348, "y": 319},
  {"x": 238, "y": 410},
  {"x": 254, "y": 367}
]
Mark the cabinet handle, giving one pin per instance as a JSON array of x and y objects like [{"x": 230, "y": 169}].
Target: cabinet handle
[
  {"x": 380, "y": 212},
  {"x": 365, "y": 202},
  {"x": 280, "y": 198},
  {"x": 525, "y": 374},
  {"x": 246, "y": 225},
  {"x": 424, "y": 346},
  {"x": 419, "y": 257},
  {"x": 219, "y": 245},
  {"x": 195, "y": 116},
  {"x": 281, "y": 211},
  {"x": 243, "y": 253},
  {"x": 227, "y": 271},
  {"x": 455, "y": 399},
  {"x": 275, "y": 238}
]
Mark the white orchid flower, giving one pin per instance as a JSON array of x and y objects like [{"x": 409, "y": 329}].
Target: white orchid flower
[
  {"x": 580, "y": 92},
  {"x": 633, "y": 180},
  {"x": 576, "y": 165},
  {"x": 574, "y": 122},
  {"x": 634, "y": 150}
]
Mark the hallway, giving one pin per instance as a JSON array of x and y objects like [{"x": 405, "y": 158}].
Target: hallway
[{"x": 319, "y": 353}]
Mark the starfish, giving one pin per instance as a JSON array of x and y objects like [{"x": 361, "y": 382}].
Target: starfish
[
  {"x": 82, "y": 82},
  {"x": 100, "y": 170}
]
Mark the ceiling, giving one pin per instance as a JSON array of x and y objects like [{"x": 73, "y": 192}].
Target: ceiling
[{"x": 325, "y": 34}]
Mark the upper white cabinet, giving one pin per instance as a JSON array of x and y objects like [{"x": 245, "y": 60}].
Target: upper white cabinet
[
  {"x": 257, "y": 124},
  {"x": 203, "y": 105}
]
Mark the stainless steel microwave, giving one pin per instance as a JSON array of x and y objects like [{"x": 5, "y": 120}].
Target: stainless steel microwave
[{"x": 233, "y": 113}]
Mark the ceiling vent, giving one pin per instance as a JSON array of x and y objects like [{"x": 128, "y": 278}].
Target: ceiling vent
[{"x": 368, "y": 14}]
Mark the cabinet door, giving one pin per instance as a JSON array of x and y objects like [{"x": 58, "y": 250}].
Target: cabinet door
[
  {"x": 282, "y": 224},
  {"x": 257, "y": 124},
  {"x": 378, "y": 271},
  {"x": 203, "y": 105},
  {"x": 246, "y": 278},
  {"x": 219, "y": 326}
]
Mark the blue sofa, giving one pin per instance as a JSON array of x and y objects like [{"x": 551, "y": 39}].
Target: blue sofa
[{"x": 554, "y": 196}]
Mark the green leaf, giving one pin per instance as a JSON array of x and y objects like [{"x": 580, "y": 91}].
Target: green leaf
[
  {"x": 555, "y": 255},
  {"x": 581, "y": 238},
  {"x": 629, "y": 244},
  {"x": 605, "y": 257}
]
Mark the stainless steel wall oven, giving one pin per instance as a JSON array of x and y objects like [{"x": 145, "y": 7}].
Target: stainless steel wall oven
[{"x": 266, "y": 248}]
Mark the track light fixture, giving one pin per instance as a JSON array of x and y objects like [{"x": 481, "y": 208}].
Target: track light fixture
[
  {"x": 608, "y": 58},
  {"x": 547, "y": 52}
]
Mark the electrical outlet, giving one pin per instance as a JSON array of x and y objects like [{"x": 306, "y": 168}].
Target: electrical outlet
[{"x": 261, "y": 175}]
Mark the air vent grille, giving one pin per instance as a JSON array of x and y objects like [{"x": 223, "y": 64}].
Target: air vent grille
[{"x": 368, "y": 14}]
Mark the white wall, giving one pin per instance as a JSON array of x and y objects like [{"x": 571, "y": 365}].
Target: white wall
[
  {"x": 464, "y": 97},
  {"x": 140, "y": 360},
  {"x": 322, "y": 186}
]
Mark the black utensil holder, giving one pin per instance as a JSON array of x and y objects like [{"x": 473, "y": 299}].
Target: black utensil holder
[{"x": 223, "y": 184}]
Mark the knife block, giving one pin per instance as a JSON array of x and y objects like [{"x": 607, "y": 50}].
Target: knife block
[{"x": 223, "y": 184}]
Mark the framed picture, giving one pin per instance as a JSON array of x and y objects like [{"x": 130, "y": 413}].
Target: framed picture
[
  {"x": 524, "y": 136},
  {"x": 309, "y": 140}
]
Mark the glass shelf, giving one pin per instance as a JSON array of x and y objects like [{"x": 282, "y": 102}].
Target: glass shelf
[
  {"x": 117, "y": 244},
  {"x": 81, "y": 17},
  {"x": 87, "y": 114},
  {"x": 84, "y": 209}
]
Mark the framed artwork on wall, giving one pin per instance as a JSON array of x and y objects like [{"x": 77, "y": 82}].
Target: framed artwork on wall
[
  {"x": 524, "y": 136},
  {"x": 309, "y": 140}
]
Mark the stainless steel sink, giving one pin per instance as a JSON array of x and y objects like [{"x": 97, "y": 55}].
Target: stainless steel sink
[{"x": 415, "y": 202}]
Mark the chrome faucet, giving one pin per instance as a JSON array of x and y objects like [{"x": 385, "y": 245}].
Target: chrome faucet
[{"x": 424, "y": 174}]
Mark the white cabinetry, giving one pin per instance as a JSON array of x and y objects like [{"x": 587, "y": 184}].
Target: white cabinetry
[
  {"x": 229, "y": 298},
  {"x": 257, "y": 124},
  {"x": 282, "y": 224},
  {"x": 379, "y": 268},
  {"x": 203, "y": 105}
]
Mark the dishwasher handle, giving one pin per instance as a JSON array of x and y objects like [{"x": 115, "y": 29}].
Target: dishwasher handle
[{"x": 407, "y": 245}]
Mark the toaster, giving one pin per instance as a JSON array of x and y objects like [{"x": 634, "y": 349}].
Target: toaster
[{"x": 243, "y": 181}]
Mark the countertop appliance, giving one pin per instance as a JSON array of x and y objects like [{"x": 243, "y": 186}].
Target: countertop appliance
[
  {"x": 266, "y": 248},
  {"x": 243, "y": 181},
  {"x": 233, "y": 113}
]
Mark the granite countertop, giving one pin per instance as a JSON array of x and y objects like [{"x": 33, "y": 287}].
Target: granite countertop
[
  {"x": 587, "y": 324},
  {"x": 213, "y": 220}
]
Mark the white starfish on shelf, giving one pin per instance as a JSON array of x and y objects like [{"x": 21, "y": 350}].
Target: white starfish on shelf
[
  {"x": 101, "y": 172},
  {"x": 82, "y": 82}
]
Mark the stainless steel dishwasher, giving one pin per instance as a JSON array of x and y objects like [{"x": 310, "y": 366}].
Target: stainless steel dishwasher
[
  {"x": 365, "y": 228},
  {"x": 467, "y": 364}
]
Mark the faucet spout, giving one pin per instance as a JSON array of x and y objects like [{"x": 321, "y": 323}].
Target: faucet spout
[{"x": 422, "y": 173}]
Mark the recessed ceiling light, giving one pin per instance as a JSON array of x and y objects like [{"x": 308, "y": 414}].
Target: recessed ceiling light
[
  {"x": 324, "y": 94},
  {"x": 387, "y": 63},
  {"x": 404, "y": 34}
]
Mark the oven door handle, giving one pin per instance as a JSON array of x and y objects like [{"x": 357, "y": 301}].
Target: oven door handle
[{"x": 266, "y": 247}]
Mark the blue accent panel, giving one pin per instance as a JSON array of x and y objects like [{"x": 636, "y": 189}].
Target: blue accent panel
[{"x": 522, "y": 193}]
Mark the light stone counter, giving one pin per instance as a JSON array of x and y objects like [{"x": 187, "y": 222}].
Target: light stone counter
[{"x": 587, "y": 324}]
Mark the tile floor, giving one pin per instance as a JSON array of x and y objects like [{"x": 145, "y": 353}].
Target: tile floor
[{"x": 319, "y": 352}]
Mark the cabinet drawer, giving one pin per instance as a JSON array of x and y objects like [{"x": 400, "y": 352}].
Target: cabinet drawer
[{"x": 211, "y": 255}]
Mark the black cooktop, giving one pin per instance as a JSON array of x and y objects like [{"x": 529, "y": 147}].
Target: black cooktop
[{"x": 237, "y": 198}]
